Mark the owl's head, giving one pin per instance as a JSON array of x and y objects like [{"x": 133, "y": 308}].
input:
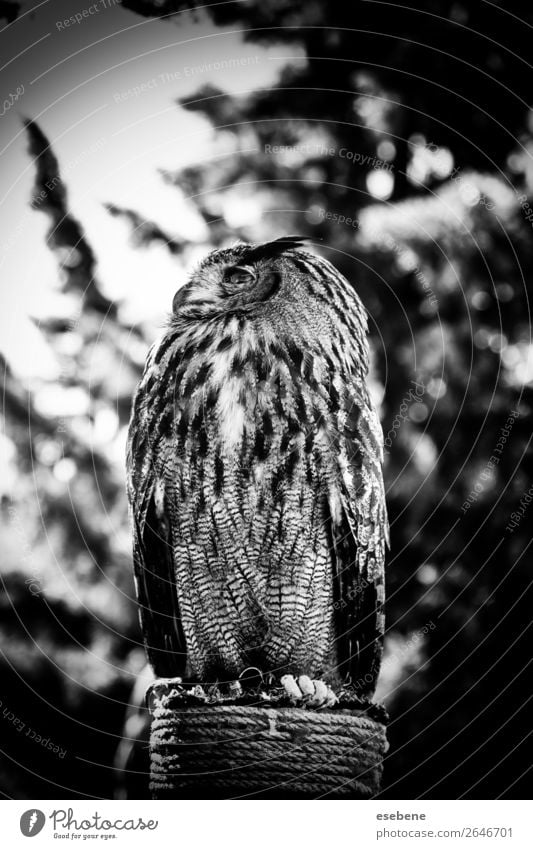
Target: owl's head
[{"x": 238, "y": 278}]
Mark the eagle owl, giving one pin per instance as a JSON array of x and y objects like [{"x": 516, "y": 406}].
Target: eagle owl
[{"x": 254, "y": 477}]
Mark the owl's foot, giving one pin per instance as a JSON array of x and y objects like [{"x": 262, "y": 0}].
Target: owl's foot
[{"x": 312, "y": 693}]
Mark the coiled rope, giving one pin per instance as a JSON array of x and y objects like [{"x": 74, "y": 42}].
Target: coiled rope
[{"x": 262, "y": 745}]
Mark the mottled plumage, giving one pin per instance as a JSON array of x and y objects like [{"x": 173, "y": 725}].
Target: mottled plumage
[{"x": 254, "y": 476}]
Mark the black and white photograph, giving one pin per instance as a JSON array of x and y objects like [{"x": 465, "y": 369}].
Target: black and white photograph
[{"x": 267, "y": 404}]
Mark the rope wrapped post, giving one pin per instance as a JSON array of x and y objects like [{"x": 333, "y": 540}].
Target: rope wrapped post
[{"x": 260, "y": 744}]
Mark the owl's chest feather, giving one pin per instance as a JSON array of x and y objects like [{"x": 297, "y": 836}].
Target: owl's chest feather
[
  {"x": 234, "y": 381},
  {"x": 232, "y": 411}
]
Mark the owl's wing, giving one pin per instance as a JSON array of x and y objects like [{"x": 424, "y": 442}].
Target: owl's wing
[
  {"x": 152, "y": 551},
  {"x": 359, "y": 535}
]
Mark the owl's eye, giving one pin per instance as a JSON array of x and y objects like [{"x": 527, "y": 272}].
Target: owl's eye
[{"x": 241, "y": 274}]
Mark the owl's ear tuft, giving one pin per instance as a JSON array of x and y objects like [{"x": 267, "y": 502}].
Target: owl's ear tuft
[{"x": 269, "y": 250}]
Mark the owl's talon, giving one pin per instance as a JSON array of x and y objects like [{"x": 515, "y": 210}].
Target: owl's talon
[
  {"x": 320, "y": 694},
  {"x": 332, "y": 699},
  {"x": 306, "y": 685},
  {"x": 199, "y": 692},
  {"x": 314, "y": 693},
  {"x": 291, "y": 687},
  {"x": 323, "y": 695}
]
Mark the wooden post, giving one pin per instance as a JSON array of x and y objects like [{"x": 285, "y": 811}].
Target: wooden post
[{"x": 260, "y": 745}]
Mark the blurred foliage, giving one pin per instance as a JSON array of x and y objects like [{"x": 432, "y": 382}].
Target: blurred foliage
[{"x": 429, "y": 106}]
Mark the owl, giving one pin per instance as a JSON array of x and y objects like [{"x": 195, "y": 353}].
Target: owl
[{"x": 254, "y": 478}]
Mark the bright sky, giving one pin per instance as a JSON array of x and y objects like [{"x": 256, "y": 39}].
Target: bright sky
[{"x": 104, "y": 91}]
